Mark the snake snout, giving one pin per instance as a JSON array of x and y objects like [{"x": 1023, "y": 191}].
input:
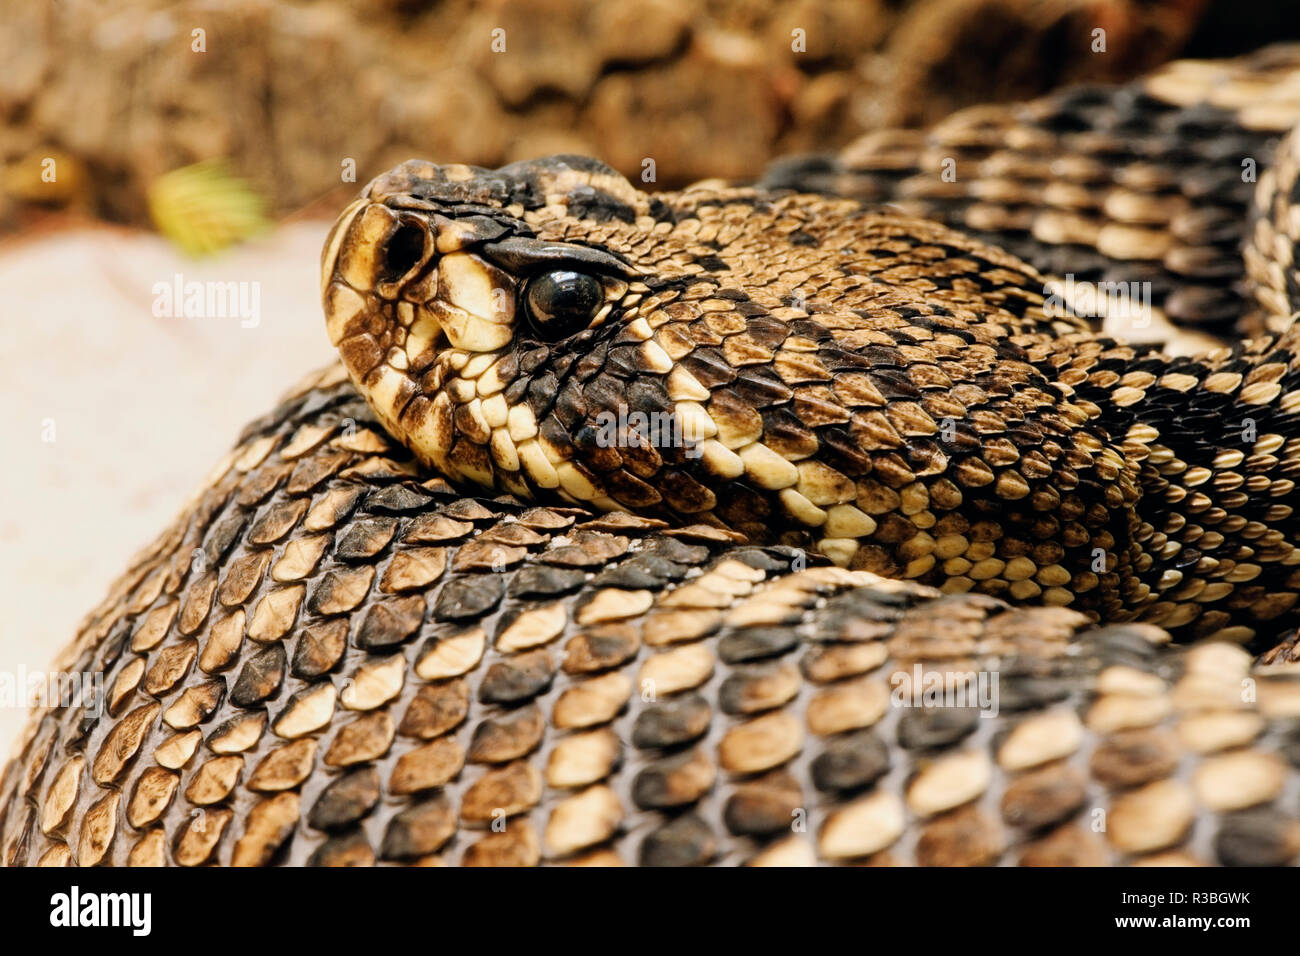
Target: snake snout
[
  {"x": 416, "y": 310},
  {"x": 376, "y": 249}
]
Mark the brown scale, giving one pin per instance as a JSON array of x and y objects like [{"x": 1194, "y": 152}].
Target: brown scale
[{"x": 351, "y": 680}]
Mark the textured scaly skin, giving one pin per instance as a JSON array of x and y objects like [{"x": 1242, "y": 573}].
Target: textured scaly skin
[
  {"x": 364, "y": 666},
  {"x": 876, "y": 388},
  {"x": 336, "y": 657},
  {"x": 1150, "y": 182}
]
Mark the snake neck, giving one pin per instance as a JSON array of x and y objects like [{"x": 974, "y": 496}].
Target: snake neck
[{"x": 1211, "y": 450}]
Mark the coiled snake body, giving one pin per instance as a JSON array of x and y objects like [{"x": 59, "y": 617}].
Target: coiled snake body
[{"x": 742, "y": 524}]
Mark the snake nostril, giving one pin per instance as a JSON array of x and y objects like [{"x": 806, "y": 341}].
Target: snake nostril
[{"x": 404, "y": 249}]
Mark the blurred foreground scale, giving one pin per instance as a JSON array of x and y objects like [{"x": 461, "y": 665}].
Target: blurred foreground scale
[{"x": 205, "y": 207}]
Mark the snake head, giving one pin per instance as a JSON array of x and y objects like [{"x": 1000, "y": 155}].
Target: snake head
[
  {"x": 494, "y": 319},
  {"x": 774, "y": 363}
]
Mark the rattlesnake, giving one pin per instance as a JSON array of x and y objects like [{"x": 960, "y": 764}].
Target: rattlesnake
[{"x": 741, "y": 524}]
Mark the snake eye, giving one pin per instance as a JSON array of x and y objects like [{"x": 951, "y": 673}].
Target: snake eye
[
  {"x": 405, "y": 246},
  {"x": 562, "y": 303}
]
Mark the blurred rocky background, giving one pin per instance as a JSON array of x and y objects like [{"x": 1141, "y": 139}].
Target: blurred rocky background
[{"x": 293, "y": 92}]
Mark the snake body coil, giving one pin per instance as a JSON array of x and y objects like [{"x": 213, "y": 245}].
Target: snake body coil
[{"x": 776, "y": 472}]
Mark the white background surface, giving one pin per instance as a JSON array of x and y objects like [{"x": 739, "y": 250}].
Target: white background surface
[{"x": 142, "y": 408}]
